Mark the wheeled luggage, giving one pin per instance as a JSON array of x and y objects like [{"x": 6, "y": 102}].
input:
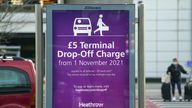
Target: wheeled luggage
[
  {"x": 166, "y": 87},
  {"x": 188, "y": 90},
  {"x": 166, "y": 91}
]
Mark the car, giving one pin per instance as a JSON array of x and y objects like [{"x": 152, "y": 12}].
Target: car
[
  {"x": 17, "y": 82},
  {"x": 82, "y": 26}
]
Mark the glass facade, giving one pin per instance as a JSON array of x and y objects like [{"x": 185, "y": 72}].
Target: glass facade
[{"x": 167, "y": 34}]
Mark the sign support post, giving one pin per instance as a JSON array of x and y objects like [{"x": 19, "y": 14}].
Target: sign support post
[
  {"x": 141, "y": 57},
  {"x": 39, "y": 56}
]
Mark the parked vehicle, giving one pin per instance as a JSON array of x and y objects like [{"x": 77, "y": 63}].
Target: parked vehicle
[{"x": 17, "y": 83}]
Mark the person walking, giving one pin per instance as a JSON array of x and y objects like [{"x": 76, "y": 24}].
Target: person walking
[
  {"x": 175, "y": 70},
  {"x": 100, "y": 25}
]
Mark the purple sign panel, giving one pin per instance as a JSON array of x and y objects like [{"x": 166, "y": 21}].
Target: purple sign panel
[{"x": 90, "y": 59}]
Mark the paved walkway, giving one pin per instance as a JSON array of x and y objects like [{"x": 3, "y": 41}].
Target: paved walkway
[
  {"x": 154, "y": 100},
  {"x": 176, "y": 104}
]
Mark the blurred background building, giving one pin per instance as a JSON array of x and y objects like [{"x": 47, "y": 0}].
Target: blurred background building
[
  {"x": 168, "y": 34},
  {"x": 167, "y": 27}
]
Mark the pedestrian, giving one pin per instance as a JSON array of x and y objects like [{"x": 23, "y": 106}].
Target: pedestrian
[
  {"x": 175, "y": 69},
  {"x": 100, "y": 25}
]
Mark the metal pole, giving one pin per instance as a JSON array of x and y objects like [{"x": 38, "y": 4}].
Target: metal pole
[
  {"x": 39, "y": 56},
  {"x": 141, "y": 57},
  {"x": 60, "y": 1}
]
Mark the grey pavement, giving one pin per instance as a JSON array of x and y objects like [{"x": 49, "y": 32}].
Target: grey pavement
[
  {"x": 176, "y": 104},
  {"x": 153, "y": 93},
  {"x": 153, "y": 90}
]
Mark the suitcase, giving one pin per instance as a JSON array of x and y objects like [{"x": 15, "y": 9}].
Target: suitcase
[
  {"x": 105, "y": 28},
  {"x": 166, "y": 91},
  {"x": 188, "y": 91}
]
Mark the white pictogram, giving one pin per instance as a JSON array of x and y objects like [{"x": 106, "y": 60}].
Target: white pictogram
[
  {"x": 101, "y": 26},
  {"x": 82, "y": 25}
]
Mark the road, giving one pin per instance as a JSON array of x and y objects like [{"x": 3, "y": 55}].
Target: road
[
  {"x": 160, "y": 104},
  {"x": 154, "y": 100}
]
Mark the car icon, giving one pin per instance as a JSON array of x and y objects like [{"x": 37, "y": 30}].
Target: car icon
[{"x": 82, "y": 26}]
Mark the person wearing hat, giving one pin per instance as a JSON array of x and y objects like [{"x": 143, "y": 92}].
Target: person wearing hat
[{"x": 175, "y": 70}]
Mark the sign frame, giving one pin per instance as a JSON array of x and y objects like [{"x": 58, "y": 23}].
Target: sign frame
[{"x": 48, "y": 45}]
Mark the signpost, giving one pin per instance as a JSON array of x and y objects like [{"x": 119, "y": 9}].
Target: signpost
[
  {"x": 90, "y": 56},
  {"x": 141, "y": 57},
  {"x": 39, "y": 56}
]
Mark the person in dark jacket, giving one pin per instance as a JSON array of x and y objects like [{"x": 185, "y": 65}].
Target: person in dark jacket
[{"x": 175, "y": 70}]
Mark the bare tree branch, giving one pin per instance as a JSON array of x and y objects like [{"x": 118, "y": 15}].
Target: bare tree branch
[{"x": 9, "y": 18}]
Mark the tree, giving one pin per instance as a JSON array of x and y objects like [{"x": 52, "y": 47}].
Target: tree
[{"x": 9, "y": 17}]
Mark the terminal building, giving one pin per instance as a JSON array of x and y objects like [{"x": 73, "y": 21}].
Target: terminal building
[{"x": 168, "y": 31}]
